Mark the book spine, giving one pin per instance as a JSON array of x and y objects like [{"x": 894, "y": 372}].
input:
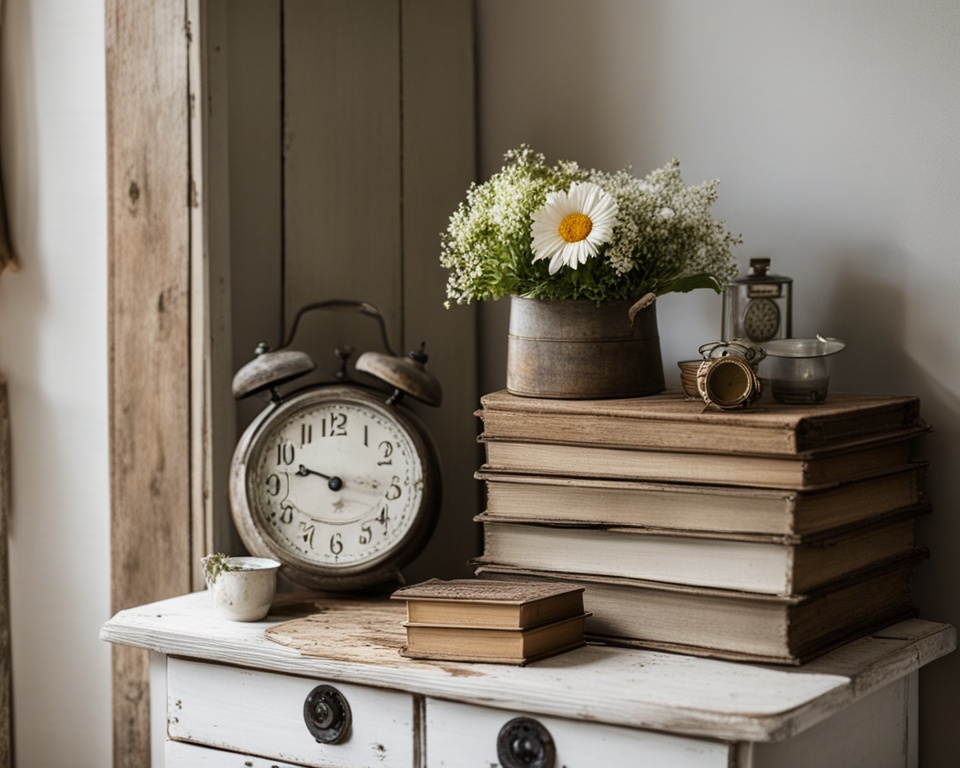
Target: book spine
[
  {"x": 739, "y": 626},
  {"x": 807, "y": 473},
  {"x": 754, "y": 566},
  {"x": 679, "y": 506},
  {"x": 653, "y": 434},
  {"x": 665, "y": 424}
]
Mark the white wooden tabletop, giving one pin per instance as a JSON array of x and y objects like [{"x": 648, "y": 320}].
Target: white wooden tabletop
[{"x": 637, "y": 688}]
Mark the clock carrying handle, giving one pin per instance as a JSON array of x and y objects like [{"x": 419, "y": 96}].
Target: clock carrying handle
[{"x": 342, "y": 305}]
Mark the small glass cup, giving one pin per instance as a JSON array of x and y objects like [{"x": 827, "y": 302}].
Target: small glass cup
[{"x": 797, "y": 369}]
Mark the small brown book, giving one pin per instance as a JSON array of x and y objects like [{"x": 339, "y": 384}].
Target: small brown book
[
  {"x": 500, "y": 646},
  {"x": 505, "y": 622},
  {"x": 490, "y": 605}
]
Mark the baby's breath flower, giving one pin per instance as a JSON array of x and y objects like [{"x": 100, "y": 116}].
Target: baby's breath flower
[{"x": 664, "y": 238}]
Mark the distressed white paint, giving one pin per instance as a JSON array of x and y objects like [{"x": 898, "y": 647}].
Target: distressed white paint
[
  {"x": 158, "y": 703},
  {"x": 872, "y": 733},
  {"x": 455, "y": 731},
  {"x": 644, "y": 689},
  {"x": 260, "y": 713}
]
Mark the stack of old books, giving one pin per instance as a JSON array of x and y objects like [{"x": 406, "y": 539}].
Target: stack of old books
[
  {"x": 771, "y": 534},
  {"x": 491, "y": 621}
]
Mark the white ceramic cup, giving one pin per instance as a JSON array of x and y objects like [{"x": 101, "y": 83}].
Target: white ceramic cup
[{"x": 245, "y": 592}]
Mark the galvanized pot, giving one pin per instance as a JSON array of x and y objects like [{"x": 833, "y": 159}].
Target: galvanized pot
[{"x": 572, "y": 349}]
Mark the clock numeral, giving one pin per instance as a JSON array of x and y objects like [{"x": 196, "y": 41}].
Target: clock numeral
[
  {"x": 334, "y": 425},
  {"x": 306, "y": 434},
  {"x": 366, "y": 534},
  {"x": 386, "y": 451},
  {"x": 336, "y": 544},
  {"x": 273, "y": 485},
  {"x": 306, "y": 531},
  {"x": 286, "y": 453},
  {"x": 384, "y": 517},
  {"x": 366, "y": 435},
  {"x": 394, "y": 491},
  {"x": 286, "y": 514}
]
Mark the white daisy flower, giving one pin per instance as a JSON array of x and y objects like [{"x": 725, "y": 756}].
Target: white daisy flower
[{"x": 571, "y": 226}]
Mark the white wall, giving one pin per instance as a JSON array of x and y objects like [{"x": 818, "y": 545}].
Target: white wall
[
  {"x": 53, "y": 350},
  {"x": 832, "y": 125},
  {"x": 834, "y": 128}
]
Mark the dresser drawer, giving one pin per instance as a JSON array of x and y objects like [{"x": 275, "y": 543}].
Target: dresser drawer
[
  {"x": 459, "y": 735},
  {"x": 262, "y": 713}
]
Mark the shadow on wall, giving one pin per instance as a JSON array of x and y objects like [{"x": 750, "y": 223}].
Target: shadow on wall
[
  {"x": 570, "y": 90},
  {"x": 869, "y": 312},
  {"x": 865, "y": 309}
]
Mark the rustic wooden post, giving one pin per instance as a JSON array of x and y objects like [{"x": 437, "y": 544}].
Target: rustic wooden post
[
  {"x": 7, "y": 261},
  {"x": 6, "y": 681},
  {"x": 149, "y": 331}
]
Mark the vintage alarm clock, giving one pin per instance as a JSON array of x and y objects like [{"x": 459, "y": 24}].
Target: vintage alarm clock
[{"x": 338, "y": 481}]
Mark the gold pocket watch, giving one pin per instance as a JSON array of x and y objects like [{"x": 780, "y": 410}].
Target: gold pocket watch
[{"x": 338, "y": 481}]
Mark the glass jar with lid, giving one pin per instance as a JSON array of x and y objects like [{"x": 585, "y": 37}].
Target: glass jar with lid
[{"x": 758, "y": 306}]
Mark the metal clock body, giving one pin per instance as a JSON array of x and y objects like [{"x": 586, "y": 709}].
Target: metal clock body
[
  {"x": 338, "y": 485},
  {"x": 339, "y": 482}
]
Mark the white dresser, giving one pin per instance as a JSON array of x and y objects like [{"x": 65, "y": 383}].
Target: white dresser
[{"x": 224, "y": 695}]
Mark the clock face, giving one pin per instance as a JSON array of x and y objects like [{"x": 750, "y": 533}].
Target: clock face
[
  {"x": 333, "y": 483},
  {"x": 761, "y": 320}
]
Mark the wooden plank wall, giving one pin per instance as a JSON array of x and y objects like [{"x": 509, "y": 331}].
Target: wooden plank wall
[
  {"x": 439, "y": 146},
  {"x": 356, "y": 173},
  {"x": 212, "y": 409},
  {"x": 342, "y": 165},
  {"x": 310, "y": 149},
  {"x": 254, "y": 125},
  {"x": 149, "y": 331}
]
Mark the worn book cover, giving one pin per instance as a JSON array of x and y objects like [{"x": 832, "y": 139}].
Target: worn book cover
[
  {"x": 688, "y": 506},
  {"x": 753, "y": 564},
  {"x": 501, "y": 646},
  {"x": 671, "y": 422},
  {"x": 737, "y": 625},
  {"x": 820, "y": 470},
  {"x": 501, "y": 605}
]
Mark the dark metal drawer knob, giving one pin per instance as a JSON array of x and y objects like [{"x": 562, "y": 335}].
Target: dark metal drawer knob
[
  {"x": 525, "y": 743},
  {"x": 327, "y": 714}
]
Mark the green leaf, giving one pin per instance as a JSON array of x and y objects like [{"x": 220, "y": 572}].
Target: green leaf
[
  {"x": 691, "y": 283},
  {"x": 214, "y": 565}
]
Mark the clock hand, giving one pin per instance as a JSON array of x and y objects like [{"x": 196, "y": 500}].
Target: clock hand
[{"x": 334, "y": 483}]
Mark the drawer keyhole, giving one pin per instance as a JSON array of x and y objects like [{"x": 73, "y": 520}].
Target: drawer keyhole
[
  {"x": 525, "y": 743},
  {"x": 327, "y": 715}
]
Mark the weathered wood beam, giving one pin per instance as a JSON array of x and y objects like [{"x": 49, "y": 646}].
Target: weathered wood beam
[
  {"x": 6, "y": 677},
  {"x": 149, "y": 331}
]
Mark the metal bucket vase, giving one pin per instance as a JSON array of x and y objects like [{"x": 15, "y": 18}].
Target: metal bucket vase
[{"x": 572, "y": 349}]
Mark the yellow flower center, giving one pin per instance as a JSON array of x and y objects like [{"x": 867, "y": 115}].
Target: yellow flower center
[{"x": 575, "y": 227}]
